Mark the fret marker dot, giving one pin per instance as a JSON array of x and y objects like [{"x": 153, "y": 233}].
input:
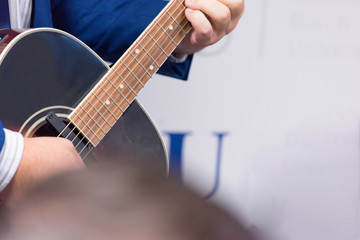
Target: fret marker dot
[
  {"x": 137, "y": 51},
  {"x": 107, "y": 102},
  {"x": 121, "y": 85},
  {"x": 171, "y": 27},
  {"x": 151, "y": 67}
]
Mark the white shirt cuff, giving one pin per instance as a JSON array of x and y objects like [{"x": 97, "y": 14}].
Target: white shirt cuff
[
  {"x": 20, "y": 13},
  {"x": 10, "y": 157},
  {"x": 175, "y": 58}
]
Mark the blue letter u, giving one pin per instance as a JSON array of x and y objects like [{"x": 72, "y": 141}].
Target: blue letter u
[{"x": 175, "y": 156}]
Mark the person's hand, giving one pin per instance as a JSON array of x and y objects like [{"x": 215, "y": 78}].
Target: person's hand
[
  {"x": 42, "y": 158},
  {"x": 211, "y": 21}
]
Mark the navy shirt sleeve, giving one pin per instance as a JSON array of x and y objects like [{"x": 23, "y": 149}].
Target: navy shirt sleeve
[
  {"x": 108, "y": 27},
  {"x": 2, "y": 136}
]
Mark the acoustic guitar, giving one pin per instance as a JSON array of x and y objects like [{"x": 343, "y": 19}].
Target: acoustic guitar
[{"x": 52, "y": 84}]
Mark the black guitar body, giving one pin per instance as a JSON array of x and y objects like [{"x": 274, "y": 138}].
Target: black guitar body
[{"x": 46, "y": 70}]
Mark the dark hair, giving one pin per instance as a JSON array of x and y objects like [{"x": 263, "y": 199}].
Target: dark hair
[{"x": 124, "y": 201}]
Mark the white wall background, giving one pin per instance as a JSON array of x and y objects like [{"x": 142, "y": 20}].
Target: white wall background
[{"x": 286, "y": 86}]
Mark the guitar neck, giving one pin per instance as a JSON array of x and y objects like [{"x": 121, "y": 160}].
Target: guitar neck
[{"x": 108, "y": 100}]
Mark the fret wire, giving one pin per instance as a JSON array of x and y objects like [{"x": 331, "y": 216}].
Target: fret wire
[
  {"x": 162, "y": 39},
  {"x": 118, "y": 91},
  {"x": 181, "y": 5},
  {"x": 96, "y": 111},
  {"x": 72, "y": 130},
  {"x": 131, "y": 72},
  {"x": 149, "y": 55},
  {"x": 179, "y": 22},
  {"x": 141, "y": 65},
  {"x": 157, "y": 44},
  {"x": 91, "y": 118},
  {"x": 122, "y": 78},
  {"x": 116, "y": 118},
  {"x": 160, "y": 48},
  {"x": 96, "y": 123},
  {"x": 181, "y": 28},
  {"x": 146, "y": 72},
  {"x": 104, "y": 105},
  {"x": 113, "y": 100},
  {"x": 90, "y": 140},
  {"x": 92, "y": 131},
  {"x": 106, "y": 120},
  {"x": 176, "y": 9},
  {"x": 154, "y": 61},
  {"x": 85, "y": 124},
  {"x": 83, "y": 137},
  {"x": 167, "y": 34}
]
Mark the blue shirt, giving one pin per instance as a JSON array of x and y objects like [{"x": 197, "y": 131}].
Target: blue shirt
[{"x": 108, "y": 27}]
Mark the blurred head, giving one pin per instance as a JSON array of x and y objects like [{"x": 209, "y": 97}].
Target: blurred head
[{"x": 119, "y": 202}]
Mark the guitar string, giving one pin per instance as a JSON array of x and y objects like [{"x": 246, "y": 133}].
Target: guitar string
[
  {"x": 116, "y": 89},
  {"x": 161, "y": 36},
  {"x": 103, "y": 105},
  {"x": 181, "y": 29},
  {"x": 88, "y": 145},
  {"x": 132, "y": 72}
]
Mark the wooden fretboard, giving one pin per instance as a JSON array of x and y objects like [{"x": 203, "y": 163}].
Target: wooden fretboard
[{"x": 108, "y": 100}]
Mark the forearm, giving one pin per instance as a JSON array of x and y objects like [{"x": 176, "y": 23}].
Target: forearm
[{"x": 26, "y": 161}]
